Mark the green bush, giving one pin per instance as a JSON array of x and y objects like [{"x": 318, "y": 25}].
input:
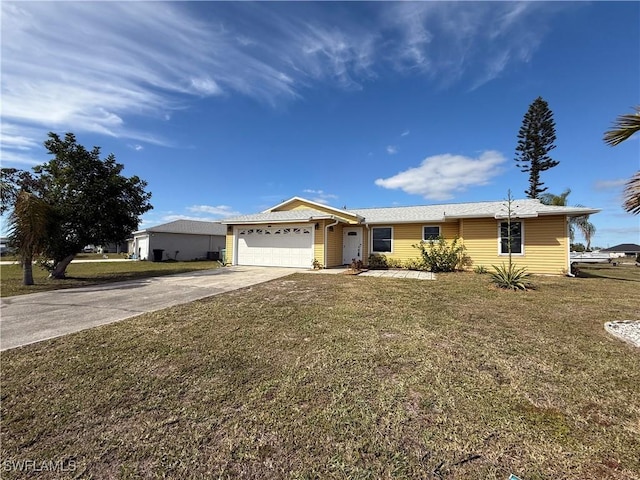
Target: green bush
[
  {"x": 440, "y": 256},
  {"x": 395, "y": 263},
  {"x": 378, "y": 261},
  {"x": 415, "y": 264},
  {"x": 481, "y": 269},
  {"x": 510, "y": 277}
]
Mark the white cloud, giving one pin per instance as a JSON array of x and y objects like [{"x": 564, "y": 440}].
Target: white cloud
[
  {"x": 392, "y": 149},
  {"x": 610, "y": 184},
  {"x": 320, "y": 196},
  {"x": 219, "y": 210},
  {"x": 405, "y": 133},
  {"x": 439, "y": 177}
]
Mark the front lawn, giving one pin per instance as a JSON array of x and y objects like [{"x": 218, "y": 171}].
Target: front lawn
[
  {"x": 332, "y": 376},
  {"x": 94, "y": 273}
]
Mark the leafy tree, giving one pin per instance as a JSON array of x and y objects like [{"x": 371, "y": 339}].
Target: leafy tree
[
  {"x": 29, "y": 225},
  {"x": 92, "y": 202},
  {"x": 623, "y": 128},
  {"x": 582, "y": 223},
  {"x": 577, "y": 247},
  {"x": 535, "y": 140}
]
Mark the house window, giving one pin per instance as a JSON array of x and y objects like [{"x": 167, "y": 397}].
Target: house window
[
  {"x": 517, "y": 238},
  {"x": 430, "y": 232},
  {"x": 382, "y": 239}
]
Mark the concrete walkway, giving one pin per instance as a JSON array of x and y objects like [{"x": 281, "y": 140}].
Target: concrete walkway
[{"x": 26, "y": 319}]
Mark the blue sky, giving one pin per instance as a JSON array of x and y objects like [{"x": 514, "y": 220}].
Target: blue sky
[{"x": 228, "y": 108}]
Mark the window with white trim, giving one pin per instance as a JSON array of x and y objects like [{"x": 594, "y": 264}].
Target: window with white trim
[
  {"x": 517, "y": 238},
  {"x": 382, "y": 239},
  {"x": 430, "y": 232}
]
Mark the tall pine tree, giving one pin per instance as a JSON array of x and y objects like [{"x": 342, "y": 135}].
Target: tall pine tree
[{"x": 535, "y": 140}]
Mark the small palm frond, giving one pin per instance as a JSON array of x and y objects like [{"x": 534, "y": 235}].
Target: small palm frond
[
  {"x": 623, "y": 128},
  {"x": 632, "y": 194}
]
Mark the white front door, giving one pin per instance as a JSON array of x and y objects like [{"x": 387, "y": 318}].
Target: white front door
[{"x": 351, "y": 244}]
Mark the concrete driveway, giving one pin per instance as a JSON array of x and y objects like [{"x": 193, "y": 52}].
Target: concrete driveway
[{"x": 32, "y": 318}]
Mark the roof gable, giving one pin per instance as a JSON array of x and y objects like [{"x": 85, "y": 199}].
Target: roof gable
[{"x": 299, "y": 203}]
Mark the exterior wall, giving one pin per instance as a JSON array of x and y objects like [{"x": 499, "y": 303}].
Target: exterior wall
[
  {"x": 546, "y": 245},
  {"x": 229, "y": 244},
  {"x": 334, "y": 246},
  {"x": 189, "y": 246},
  {"x": 318, "y": 243},
  {"x": 405, "y": 235}
]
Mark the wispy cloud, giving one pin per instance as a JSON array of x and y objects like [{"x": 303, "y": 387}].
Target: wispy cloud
[
  {"x": 320, "y": 196},
  {"x": 475, "y": 41},
  {"x": 133, "y": 59},
  {"x": 218, "y": 211},
  {"x": 441, "y": 176},
  {"x": 405, "y": 133},
  {"x": 610, "y": 184},
  {"x": 392, "y": 149}
]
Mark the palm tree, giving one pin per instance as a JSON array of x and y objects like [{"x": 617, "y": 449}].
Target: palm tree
[
  {"x": 582, "y": 223},
  {"x": 29, "y": 223},
  {"x": 623, "y": 128}
]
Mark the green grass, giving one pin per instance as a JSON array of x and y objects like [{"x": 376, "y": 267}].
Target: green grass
[
  {"x": 331, "y": 376},
  {"x": 85, "y": 274}
]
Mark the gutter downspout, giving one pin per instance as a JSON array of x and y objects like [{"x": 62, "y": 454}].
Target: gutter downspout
[{"x": 326, "y": 232}]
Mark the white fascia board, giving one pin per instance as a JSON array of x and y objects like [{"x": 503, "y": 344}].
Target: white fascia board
[
  {"x": 396, "y": 222},
  {"x": 502, "y": 216}
]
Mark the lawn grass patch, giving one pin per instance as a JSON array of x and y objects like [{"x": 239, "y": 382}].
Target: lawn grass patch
[
  {"x": 93, "y": 273},
  {"x": 331, "y": 376}
]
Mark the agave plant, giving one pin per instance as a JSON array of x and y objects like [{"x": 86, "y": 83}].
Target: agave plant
[{"x": 510, "y": 277}]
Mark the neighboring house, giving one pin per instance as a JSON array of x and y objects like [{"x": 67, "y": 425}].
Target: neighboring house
[
  {"x": 628, "y": 249},
  {"x": 180, "y": 240},
  {"x": 297, "y": 231}
]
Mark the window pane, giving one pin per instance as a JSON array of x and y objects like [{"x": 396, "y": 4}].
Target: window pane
[
  {"x": 516, "y": 237},
  {"x": 382, "y": 239},
  {"x": 430, "y": 233}
]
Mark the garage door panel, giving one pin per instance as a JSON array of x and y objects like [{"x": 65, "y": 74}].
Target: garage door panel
[{"x": 290, "y": 246}]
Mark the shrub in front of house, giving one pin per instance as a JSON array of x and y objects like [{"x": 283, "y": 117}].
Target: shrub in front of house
[
  {"x": 378, "y": 262},
  {"x": 438, "y": 255}
]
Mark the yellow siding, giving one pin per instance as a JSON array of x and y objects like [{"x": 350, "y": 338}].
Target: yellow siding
[
  {"x": 229, "y": 246},
  {"x": 405, "y": 235},
  {"x": 545, "y": 244},
  {"x": 318, "y": 243},
  {"x": 300, "y": 205},
  {"x": 334, "y": 246}
]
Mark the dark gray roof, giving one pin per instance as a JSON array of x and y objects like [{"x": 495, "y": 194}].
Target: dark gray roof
[
  {"x": 623, "y": 247},
  {"x": 190, "y": 227}
]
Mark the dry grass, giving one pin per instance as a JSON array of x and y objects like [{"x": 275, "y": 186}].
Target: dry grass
[
  {"x": 95, "y": 273},
  {"x": 325, "y": 376}
]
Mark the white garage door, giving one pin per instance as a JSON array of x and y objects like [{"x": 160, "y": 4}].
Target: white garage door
[
  {"x": 288, "y": 246},
  {"x": 143, "y": 248}
]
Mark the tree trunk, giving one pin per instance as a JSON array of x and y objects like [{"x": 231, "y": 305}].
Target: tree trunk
[
  {"x": 59, "y": 271},
  {"x": 27, "y": 271}
]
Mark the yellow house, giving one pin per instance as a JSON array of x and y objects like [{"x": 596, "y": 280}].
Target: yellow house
[{"x": 299, "y": 232}]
